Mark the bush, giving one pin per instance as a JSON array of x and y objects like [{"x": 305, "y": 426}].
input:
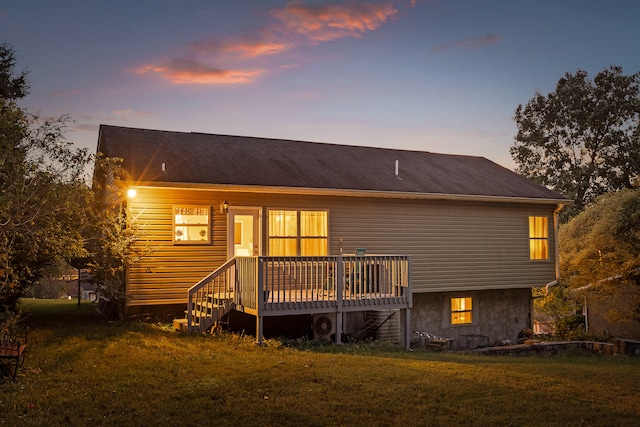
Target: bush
[
  {"x": 9, "y": 322},
  {"x": 569, "y": 324},
  {"x": 572, "y": 328}
]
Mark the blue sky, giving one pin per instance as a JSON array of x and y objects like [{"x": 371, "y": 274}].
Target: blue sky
[{"x": 430, "y": 75}]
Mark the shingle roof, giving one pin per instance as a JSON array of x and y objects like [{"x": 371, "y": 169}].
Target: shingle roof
[{"x": 248, "y": 161}]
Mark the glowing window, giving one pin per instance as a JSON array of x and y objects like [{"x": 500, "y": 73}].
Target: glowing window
[
  {"x": 298, "y": 233},
  {"x": 461, "y": 311},
  {"x": 313, "y": 233},
  {"x": 538, "y": 237},
  {"x": 191, "y": 224}
]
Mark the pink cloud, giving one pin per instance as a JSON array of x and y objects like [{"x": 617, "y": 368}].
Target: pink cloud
[
  {"x": 477, "y": 43},
  {"x": 257, "y": 48},
  {"x": 241, "y": 60},
  {"x": 332, "y": 21},
  {"x": 185, "y": 71},
  {"x": 247, "y": 48}
]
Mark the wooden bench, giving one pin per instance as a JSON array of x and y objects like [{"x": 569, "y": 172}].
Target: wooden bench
[
  {"x": 433, "y": 342},
  {"x": 12, "y": 350},
  {"x": 438, "y": 344}
]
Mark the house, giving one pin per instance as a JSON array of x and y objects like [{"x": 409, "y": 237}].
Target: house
[
  {"x": 356, "y": 238},
  {"x": 84, "y": 284},
  {"x": 611, "y": 314}
]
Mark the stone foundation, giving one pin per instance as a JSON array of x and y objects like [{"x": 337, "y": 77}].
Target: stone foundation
[{"x": 498, "y": 317}]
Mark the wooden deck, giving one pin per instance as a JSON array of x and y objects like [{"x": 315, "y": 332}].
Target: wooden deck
[{"x": 280, "y": 286}]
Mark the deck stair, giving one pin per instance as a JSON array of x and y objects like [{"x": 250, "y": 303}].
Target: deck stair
[
  {"x": 366, "y": 329},
  {"x": 207, "y": 314},
  {"x": 210, "y": 300},
  {"x": 370, "y": 326}
]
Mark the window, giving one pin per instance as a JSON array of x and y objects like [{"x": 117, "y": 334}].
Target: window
[
  {"x": 461, "y": 311},
  {"x": 538, "y": 237},
  {"x": 191, "y": 224},
  {"x": 293, "y": 233}
]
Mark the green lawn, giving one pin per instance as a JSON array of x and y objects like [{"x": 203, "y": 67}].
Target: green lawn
[{"x": 81, "y": 370}]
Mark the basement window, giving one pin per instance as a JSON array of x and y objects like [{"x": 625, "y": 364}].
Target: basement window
[
  {"x": 538, "y": 238},
  {"x": 191, "y": 224},
  {"x": 461, "y": 311}
]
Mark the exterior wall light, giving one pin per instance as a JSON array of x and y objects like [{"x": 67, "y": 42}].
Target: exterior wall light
[
  {"x": 224, "y": 207},
  {"x": 131, "y": 193}
]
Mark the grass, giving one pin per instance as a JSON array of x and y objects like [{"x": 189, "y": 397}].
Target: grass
[{"x": 82, "y": 370}]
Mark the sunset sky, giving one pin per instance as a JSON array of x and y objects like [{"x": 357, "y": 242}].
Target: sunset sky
[{"x": 432, "y": 75}]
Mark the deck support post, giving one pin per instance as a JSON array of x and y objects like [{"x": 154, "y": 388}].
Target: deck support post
[
  {"x": 339, "y": 287},
  {"x": 259, "y": 330},
  {"x": 406, "y": 327},
  {"x": 260, "y": 300}
]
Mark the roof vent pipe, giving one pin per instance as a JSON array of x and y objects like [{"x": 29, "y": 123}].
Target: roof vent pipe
[
  {"x": 164, "y": 167},
  {"x": 398, "y": 169}
]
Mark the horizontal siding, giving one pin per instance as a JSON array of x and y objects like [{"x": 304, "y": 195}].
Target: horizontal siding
[
  {"x": 454, "y": 245},
  {"x": 166, "y": 271}
]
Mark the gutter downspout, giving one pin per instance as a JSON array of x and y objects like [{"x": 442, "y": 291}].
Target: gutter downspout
[
  {"x": 556, "y": 254},
  {"x": 556, "y": 250}
]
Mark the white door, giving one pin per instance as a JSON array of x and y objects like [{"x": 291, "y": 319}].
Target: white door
[{"x": 244, "y": 231}]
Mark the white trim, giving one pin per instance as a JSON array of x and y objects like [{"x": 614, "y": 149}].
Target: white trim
[
  {"x": 209, "y": 225},
  {"x": 353, "y": 193},
  {"x": 257, "y": 226}
]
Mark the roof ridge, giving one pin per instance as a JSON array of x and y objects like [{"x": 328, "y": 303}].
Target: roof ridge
[{"x": 323, "y": 143}]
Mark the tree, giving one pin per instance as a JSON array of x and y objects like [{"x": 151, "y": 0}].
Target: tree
[
  {"x": 112, "y": 235},
  {"x": 583, "y": 139},
  {"x": 600, "y": 254},
  {"x": 51, "y": 283},
  {"x": 12, "y": 86},
  {"x": 42, "y": 189}
]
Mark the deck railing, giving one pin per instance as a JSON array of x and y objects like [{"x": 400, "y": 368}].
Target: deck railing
[
  {"x": 273, "y": 286},
  {"x": 211, "y": 297},
  {"x": 337, "y": 283}
]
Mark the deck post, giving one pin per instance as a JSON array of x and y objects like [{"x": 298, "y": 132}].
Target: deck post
[
  {"x": 339, "y": 286},
  {"x": 190, "y": 313},
  {"x": 406, "y": 320},
  {"x": 259, "y": 330},
  {"x": 260, "y": 303},
  {"x": 407, "y": 330},
  {"x": 339, "y": 281}
]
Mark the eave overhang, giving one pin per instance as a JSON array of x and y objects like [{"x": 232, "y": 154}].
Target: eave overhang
[{"x": 230, "y": 188}]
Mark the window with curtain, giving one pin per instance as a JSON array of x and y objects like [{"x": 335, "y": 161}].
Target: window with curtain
[
  {"x": 191, "y": 224},
  {"x": 538, "y": 237},
  {"x": 461, "y": 311},
  {"x": 298, "y": 233}
]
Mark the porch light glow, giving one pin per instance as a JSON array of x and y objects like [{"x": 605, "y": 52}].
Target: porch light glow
[{"x": 131, "y": 193}]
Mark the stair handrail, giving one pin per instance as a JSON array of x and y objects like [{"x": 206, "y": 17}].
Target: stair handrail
[{"x": 201, "y": 284}]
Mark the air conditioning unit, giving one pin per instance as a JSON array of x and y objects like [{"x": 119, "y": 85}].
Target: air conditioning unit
[{"x": 324, "y": 326}]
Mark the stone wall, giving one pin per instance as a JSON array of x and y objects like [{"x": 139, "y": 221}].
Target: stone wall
[
  {"x": 619, "y": 346},
  {"x": 498, "y": 317},
  {"x": 628, "y": 347}
]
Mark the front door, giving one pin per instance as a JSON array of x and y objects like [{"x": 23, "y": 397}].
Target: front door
[{"x": 244, "y": 231}]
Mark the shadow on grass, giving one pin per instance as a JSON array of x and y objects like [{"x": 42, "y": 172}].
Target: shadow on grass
[{"x": 54, "y": 312}]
